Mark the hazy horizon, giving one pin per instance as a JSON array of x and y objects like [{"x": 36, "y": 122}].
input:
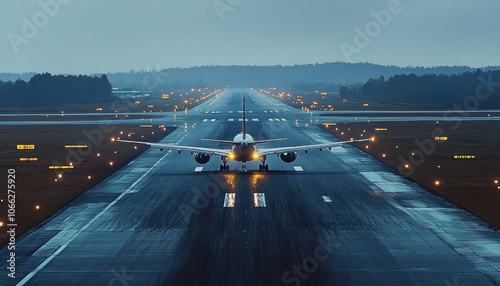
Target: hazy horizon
[{"x": 66, "y": 36}]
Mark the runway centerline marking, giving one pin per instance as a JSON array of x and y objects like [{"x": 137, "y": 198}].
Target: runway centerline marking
[
  {"x": 327, "y": 199},
  {"x": 198, "y": 169},
  {"x": 270, "y": 119},
  {"x": 213, "y": 120},
  {"x": 277, "y": 119},
  {"x": 298, "y": 168},
  {"x": 255, "y": 119},
  {"x": 283, "y": 119},
  {"x": 229, "y": 200},
  {"x": 86, "y": 226},
  {"x": 205, "y": 120},
  {"x": 230, "y": 111},
  {"x": 259, "y": 200},
  {"x": 231, "y": 119}
]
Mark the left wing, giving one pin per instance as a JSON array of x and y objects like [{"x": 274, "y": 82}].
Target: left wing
[
  {"x": 306, "y": 147},
  {"x": 207, "y": 151}
]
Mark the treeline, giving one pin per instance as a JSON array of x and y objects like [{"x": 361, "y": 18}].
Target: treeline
[
  {"x": 441, "y": 90},
  {"x": 56, "y": 89},
  {"x": 312, "y": 75}
]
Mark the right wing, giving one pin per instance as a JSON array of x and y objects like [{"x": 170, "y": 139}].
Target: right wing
[
  {"x": 207, "y": 151},
  {"x": 280, "y": 150}
]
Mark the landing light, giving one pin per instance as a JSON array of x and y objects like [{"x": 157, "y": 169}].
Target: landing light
[
  {"x": 255, "y": 156},
  {"x": 231, "y": 156}
]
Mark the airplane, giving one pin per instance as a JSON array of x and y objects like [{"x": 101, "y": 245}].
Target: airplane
[{"x": 244, "y": 149}]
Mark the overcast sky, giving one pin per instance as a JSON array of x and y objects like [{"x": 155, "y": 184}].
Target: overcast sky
[{"x": 93, "y": 36}]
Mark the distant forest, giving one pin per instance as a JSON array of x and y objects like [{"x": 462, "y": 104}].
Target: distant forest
[
  {"x": 441, "y": 90},
  {"x": 298, "y": 77},
  {"x": 56, "y": 89}
]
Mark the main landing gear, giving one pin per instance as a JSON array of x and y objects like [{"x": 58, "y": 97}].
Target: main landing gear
[
  {"x": 224, "y": 167},
  {"x": 263, "y": 166}
]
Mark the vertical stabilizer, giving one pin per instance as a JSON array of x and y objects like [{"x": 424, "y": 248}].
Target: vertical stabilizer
[{"x": 244, "y": 121}]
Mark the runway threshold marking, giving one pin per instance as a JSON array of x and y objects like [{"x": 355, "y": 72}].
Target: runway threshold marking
[
  {"x": 229, "y": 200},
  {"x": 198, "y": 169},
  {"x": 205, "y": 120},
  {"x": 259, "y": 200},
  {"x": 213, "y": 120},
  {"x": 86, "y": 226},
  {"x": 231, "y": 119},
  {"x": 230, "y": 111},
  {"x": 277, "y": 119},
  {"x": 283, "y": 119},
  {"x": 270, "y": 119},
  {"x": 255, "y": 119},
  {"x": 327, "y": 199},
  {"x": 298, "y": 168}
]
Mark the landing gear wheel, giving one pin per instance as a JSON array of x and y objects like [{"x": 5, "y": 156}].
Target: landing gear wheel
[
  {"x": 266, "y": 167},
  {"x": 221, "y": 167},
  {"x": 227, "y": 168}
]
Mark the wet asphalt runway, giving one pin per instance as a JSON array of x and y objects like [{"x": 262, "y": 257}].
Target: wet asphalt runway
[{"x": 335, "y": 217}]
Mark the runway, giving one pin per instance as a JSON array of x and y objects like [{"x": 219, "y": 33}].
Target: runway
[{"x": 335, "y": 217}]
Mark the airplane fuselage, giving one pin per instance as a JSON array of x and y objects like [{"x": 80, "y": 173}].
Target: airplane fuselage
[{"x": 245, "y": 151}]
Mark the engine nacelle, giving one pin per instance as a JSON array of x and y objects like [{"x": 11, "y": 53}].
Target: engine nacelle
[
  {"x": 201, "y": 158},
  {"x": 288, "y": 157}
]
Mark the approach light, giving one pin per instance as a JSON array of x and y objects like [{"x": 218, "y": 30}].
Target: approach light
[
  {"x": 1, "y": 223},
  {"x": 372, "y": 139},
  {"x": 111, "y": 163},
  {"x": 437, "y": 183},
  {"x": 59, "y": 176},
  {"x": 98, "y": 154},
  {"x": 113, "y": 139},
  {"x": 383, "y": 155},
  {"x": 89, "y": 177},
  {"x": 496, "y": 182},
  {"x": 37, "y": 207},
  {"x": 407, "y": 166}
]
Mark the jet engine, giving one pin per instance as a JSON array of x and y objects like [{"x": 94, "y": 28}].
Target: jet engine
[
  {"x": 201, "y": 158},
  {"x": 288, "y": 157}
]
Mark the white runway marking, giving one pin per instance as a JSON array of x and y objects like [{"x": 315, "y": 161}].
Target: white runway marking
[
  {"x": 270, "y": 119},
  {"x": 229, "y": 200},
  {"x": 283, "y": 119},
  {"x": 276, "y": 111},
  {"x": 327, "y": 199},
  {"x": 277, "y": 119},
  {"x": 271, "y": 111},
  {"x": 213, "y": 120},
  {"x": 231, "y": 119},
  {"x": 207, "y": 112},
  {"x": 198, "y": 169},
  {"x": 240, "y": 111},
  {"x": 230, "y": 111},
  {"x": 298, "y": 168},
  {"x": 94, "y": 219},
  {"x": 213, "y": 111},
  {"x": 265, "y": 111},
  {"x": 259, "y": 200},
  {"x": 250, "y": 111},
  {"x": 255, "y": 119},
  {"x": 205, "y": 120}
]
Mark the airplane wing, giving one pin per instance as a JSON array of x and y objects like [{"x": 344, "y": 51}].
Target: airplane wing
[
  {"x": 267, "y": 141},
  {"x": 306, "y": 147},
  {"x": 207, "y": 151}
]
